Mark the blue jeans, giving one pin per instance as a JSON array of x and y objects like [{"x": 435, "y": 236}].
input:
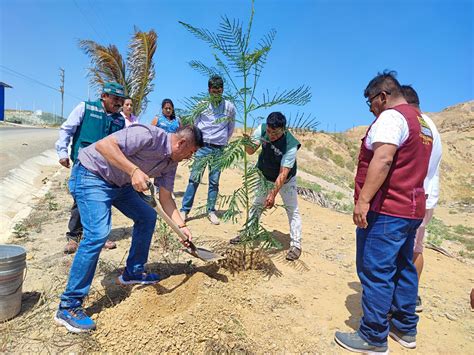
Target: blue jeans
[
  {"x": 388, "y": 276},
  {"x": 95, "y": 198},
  {"x": 195, "y": 179}
]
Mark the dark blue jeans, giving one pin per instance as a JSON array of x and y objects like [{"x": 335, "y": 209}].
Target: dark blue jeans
[
  {"x": 95, "y": 198},
  {"x": 195, "y": 179},
  {"x": 388, "y": 276}
]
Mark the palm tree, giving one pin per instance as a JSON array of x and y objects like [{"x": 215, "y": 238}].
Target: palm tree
[{"x": 136, "y": 75}]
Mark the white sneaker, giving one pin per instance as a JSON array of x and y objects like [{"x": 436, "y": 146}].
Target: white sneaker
[
  {"x": 184, "y": 215},
  {"x": 213, "y": 217}
]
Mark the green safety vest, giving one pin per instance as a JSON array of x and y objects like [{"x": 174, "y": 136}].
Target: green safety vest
[
  {"x": 96, "y": 124},
  {"x": 269, "y": 160}
]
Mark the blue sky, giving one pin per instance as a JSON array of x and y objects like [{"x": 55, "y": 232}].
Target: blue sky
[{"x": 335, "y": 47}]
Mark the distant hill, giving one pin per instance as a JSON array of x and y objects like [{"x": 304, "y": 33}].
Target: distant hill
[
  {"x": 456, "y": 126},
  {"x": 35, "y": 118}
]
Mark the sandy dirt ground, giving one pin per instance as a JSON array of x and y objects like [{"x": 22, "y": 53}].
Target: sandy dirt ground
[{"x": 282, "y": 307}]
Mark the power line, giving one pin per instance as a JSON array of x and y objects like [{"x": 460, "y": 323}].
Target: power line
[
  {"x": 90, "y": 23},
  {"x": 27, "y": 77},
  {"x": 98, "y": 16},
  {"x": 23, "y": 76}
]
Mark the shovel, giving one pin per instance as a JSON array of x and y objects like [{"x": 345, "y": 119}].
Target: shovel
[{"x": 197, "y": 252}]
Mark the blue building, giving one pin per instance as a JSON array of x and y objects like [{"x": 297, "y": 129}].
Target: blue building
[{"x": 2, "y": 99}]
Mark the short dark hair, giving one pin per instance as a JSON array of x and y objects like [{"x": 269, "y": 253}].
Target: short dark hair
[
  {"x": 410, "y": 95},
  {"x": 276, "y": 120},
  {"x": 192, "y": 132},
  {"x": 215, "y": 81},
  {"x": 386, "y": 82}
]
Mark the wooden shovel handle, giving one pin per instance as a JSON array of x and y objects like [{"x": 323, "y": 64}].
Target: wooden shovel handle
[{"x": 151, "y": 200}]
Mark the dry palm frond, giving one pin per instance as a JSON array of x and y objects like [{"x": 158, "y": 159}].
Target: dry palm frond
[
  {"x": 141, "y": 70},
  {"x": 106, "y": 63}
]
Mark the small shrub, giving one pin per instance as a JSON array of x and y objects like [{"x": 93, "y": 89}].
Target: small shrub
[
  {"x": 165, "y": 238},
  {"x": 323, "y": 153},
  {"x": 309, "y": 185},
  {"x": 437, "y": 232},
  {"x": 350, "y": 165},
  {"x": 20, "y": 230},
  {"x": 52, "y": 204},
  {"x": 308, "y": 144},
  {"x": 460, "y": 229},
  {"x": 466, "y": 254},
  {"x": 338, "y": 160},
  {"x": 347, "y": 208}
]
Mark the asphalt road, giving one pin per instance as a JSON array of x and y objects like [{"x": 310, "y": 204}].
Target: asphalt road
[{"x": 17, "y": 144}]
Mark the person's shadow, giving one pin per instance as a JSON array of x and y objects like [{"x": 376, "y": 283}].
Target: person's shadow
[
  {"x": 353, "y": 305},
  {"x": 117, "y": 234}
]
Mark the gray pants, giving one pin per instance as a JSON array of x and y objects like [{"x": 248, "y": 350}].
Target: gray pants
[{"x": 289, "y": 196}]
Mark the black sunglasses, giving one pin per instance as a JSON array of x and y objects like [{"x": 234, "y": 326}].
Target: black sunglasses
[{"x": 370, "y": 99}]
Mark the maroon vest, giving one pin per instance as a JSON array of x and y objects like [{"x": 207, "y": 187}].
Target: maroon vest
[{"x": 402, "y": 193}]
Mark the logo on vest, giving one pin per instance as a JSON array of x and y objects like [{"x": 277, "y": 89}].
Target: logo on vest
[
  {"x": 276, "y": 151},
  {"x": 93, "y": 115},
  {"x": 425, "y": 131}
]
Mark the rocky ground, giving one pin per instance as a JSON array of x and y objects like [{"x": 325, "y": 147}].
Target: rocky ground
[{"x": 281, "y": 307}]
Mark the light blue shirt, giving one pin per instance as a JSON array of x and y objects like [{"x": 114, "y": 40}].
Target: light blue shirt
[
  {"x": 170, "y": 126},
  {"x": 217, "y": 123},
  {"x": 287, "y": 160}
]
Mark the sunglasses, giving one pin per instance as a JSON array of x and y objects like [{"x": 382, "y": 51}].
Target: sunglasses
[{"x": 370, "y": 99}]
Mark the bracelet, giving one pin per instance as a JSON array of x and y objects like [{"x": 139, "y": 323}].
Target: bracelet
[
  {"x": 182, "y": 225},
  {"x": 133, "y": 171}
]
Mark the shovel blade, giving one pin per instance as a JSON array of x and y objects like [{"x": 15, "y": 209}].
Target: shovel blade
[{"x": 204, "y": 254}]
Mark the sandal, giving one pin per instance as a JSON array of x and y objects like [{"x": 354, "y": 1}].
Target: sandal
[
  {"x": 110, "y": 244},
  {"x": 235, "y": 240},
  {"x": 293, "y": 254}
]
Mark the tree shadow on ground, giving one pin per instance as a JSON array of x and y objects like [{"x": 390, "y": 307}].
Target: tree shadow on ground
[
  {"x": 114, "y": 293},
  {"x": 280, "y": 253},
  {"x": 353, "y": 305},
  {"x": 283, "y": 238},
  {"x": 202, "y": 214}
]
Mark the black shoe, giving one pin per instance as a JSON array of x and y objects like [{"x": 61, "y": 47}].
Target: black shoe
[{"x": 76, "y": 236}]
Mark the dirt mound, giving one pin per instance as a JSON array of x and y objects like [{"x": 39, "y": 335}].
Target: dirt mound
[{"x": 183, "y": 313}]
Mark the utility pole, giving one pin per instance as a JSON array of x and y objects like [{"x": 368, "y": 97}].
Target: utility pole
[{"x": 61, "y": 89}]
